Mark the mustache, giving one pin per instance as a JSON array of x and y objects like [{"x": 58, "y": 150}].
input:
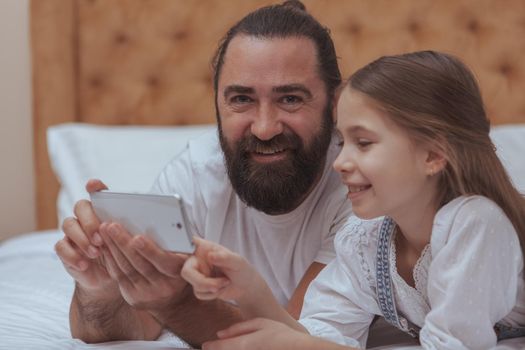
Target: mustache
[{"x": 279, "y": 142}]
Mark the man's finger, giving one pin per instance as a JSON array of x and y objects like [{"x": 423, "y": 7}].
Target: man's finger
[
  {"x": 127, "y": 246},
  {"x": 69, "y": 255},
  {"x": 95, "y": 185},
  {"x": 87, "y": 219},
  {"x": 74, "y": 232},
  {"x": 123, "y": 265},
  {"x": 111, "y": 266},
  {"x": 168, "y": 263}
]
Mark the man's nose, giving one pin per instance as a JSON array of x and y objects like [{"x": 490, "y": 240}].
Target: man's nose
[{"x": 267, "y": 123}]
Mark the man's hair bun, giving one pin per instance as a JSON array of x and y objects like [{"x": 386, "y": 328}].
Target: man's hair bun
[{"x": 296, "y": 4}]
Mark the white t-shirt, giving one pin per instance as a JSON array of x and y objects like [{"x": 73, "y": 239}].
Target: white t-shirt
[
  {"x": 281, "y": 247},
  {"x": 468, "y": 278}
]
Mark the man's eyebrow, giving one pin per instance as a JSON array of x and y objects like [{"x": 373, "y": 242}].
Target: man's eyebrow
[
  {"x": 238, "y": 89},
  {"x": 284, "y": 89}
]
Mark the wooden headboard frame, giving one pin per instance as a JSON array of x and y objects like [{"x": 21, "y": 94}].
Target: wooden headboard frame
[{"x": 148, "y": 62}]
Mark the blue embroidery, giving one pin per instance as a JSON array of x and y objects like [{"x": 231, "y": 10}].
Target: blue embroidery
[
  {"x": 384, "y": 281},
  {"x": 385, "y": 289}
]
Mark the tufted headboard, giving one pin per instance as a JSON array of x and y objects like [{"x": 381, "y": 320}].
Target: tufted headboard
[{"x": 148, "y": 61}]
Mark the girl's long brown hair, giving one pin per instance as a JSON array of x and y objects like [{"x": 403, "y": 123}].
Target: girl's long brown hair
[{"x": 436, "y": 99}]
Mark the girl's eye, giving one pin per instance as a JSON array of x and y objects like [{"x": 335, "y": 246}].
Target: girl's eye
[
  {"x": 363, "y": 143},
  {"x": 340, "y": 140}
]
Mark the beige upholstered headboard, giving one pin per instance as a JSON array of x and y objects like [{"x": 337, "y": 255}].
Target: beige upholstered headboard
[{"x": 148, "y": 61}]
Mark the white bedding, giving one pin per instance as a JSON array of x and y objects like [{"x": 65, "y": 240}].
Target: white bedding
[{"x": 35, "y": 292}]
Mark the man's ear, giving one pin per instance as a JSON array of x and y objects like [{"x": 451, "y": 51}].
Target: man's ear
[{"x": 435, "y": 162}]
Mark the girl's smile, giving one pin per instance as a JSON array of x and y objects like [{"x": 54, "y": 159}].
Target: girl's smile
[{"x": 356, "y": 191}]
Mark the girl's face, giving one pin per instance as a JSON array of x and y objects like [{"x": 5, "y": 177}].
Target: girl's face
[{"x": 386, "y": 173}]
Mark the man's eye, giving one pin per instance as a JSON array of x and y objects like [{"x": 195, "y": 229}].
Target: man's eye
[
  {"x": 291, "y": 99},
  {"x": 240, "y": 99}
]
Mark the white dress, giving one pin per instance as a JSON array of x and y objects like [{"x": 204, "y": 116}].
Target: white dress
[{"x": 468, "y": 278}]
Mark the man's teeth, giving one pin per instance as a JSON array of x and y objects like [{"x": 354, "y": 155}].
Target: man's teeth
[
  {"x": 264, "y": 151},
  {"x": 353, "y": 189}
]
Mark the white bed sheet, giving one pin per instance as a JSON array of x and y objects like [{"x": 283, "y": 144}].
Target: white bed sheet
[{"x": 35, "y": 292}]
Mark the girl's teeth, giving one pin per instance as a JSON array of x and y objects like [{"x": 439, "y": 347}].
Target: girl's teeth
[{"x": 357, "y": 189}]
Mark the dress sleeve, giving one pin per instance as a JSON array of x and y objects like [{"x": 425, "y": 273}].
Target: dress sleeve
[
  {"x": 473, "y": 278},
  {"x": 339, "y": 306}
]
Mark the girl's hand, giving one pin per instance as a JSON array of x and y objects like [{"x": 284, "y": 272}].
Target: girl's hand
[
  {"x": 261, "y": 333},
  {"x": 215, "y": 272}
]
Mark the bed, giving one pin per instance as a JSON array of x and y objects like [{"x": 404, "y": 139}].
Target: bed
[{"x": 119, "y": 87}]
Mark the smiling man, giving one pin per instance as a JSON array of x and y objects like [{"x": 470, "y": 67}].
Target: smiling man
[
  {"x": 263, "y": 186},
  {"x": 275, "y": 120}
]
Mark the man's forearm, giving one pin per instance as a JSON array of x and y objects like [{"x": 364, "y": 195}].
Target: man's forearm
[
  {"x": 96, "y": 320},
  {"x": 197, "y": 321}
]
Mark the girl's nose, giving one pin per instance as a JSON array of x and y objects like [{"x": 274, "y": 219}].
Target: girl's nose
[{"x": 344, "y": 163}]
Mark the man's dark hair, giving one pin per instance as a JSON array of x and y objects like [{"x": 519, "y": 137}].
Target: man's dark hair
[{"x": 288, "y": 19}]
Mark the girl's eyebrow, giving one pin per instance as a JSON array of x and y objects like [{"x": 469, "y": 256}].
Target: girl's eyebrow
[{"x": 357, "y": 128}]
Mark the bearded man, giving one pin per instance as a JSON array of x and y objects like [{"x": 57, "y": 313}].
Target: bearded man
[{"x": 262, "y": 186}]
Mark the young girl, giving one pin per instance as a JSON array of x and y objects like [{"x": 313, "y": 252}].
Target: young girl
[{"x": 435, "y": 247}]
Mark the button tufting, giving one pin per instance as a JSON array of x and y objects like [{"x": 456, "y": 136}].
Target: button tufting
[
  {"x": 153, "y": 81},
  {"x": 473, "y": 26},
  {"x": 414, "y": 26},
  {"x": 121, "y": 38},
  {"x": 95, "y": 82},
  {"x": 180, "y": 35},
  {"x": 354, "y": 28},
  {"x": 505, "y": 69}
]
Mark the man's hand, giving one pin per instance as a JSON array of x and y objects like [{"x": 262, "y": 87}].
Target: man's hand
[
  {"x": 148, "y": 276},
  {"x": 149, "y": 279},
  {"x": 81, "y": 248},
  {"x": 98, "y": 311}
]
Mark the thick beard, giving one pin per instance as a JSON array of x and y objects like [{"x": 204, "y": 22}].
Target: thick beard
[{"x": 281, "y": 186}]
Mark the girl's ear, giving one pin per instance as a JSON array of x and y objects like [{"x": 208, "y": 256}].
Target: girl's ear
[{"x": 435, "y": 162}]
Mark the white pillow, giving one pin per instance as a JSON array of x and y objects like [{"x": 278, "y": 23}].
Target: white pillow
[
  {"x": 125, "y": 158},
  {"x": 128, "y": 158},
  {"x": 510, "y": 147}
]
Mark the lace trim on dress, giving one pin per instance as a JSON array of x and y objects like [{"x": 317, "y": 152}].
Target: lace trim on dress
[
  {"x": 412, "y": 302},
  {"x": 420, "y": 271},
  {"x": 359, "y": 240}
]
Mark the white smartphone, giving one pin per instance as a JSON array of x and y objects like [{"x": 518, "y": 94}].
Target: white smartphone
[{"x": 161, "y": 217}]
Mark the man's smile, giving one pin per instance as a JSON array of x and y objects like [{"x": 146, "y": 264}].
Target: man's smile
[{"x": 266, "y": 155}]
